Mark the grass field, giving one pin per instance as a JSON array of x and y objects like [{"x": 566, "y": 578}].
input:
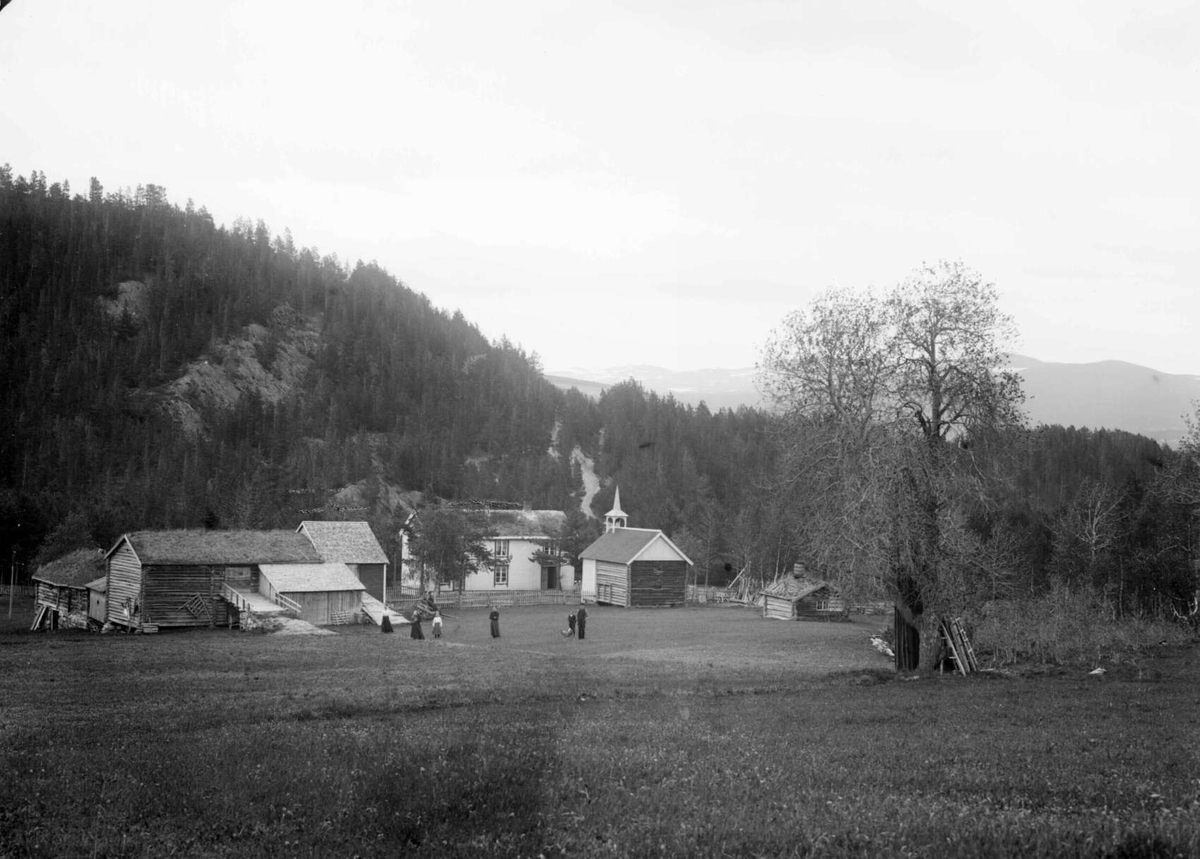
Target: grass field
[{"x": 685, "y": 732}]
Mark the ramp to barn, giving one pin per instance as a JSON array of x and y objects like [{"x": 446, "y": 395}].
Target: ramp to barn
[
  {"x": 377, "y": 611},
  {"x": 251, "y": 601}
]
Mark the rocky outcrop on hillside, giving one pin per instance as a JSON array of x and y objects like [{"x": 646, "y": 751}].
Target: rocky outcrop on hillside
[{"x": 268, "y": 362}]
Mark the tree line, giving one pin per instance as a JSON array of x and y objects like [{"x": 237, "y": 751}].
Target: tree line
[{"x": 882, "y": 462}]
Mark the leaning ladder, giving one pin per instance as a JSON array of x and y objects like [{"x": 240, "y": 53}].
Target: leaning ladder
[{"x": 959, "y": 644}]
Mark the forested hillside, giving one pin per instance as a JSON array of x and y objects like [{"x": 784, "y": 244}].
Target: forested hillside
[{"x": 158, "y": 370}]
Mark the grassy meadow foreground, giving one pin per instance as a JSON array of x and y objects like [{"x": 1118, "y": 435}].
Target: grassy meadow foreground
[{"x": 697, "y": 732}]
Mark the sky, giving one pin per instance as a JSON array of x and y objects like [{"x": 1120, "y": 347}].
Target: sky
[{"x": 656, "y": 182}]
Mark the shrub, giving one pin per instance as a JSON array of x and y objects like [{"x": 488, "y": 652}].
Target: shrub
[{"x": 1066, "y": 626}]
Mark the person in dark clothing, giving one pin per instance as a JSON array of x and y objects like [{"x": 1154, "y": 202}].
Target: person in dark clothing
[
  {"x": 581, "y": 622},
  {"x": 571, "y": 625},
  {"x": 494, "y": 617},
  {"x": 416, "y": 626}
]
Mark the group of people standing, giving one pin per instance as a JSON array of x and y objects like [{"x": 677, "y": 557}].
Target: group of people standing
[{"x": 427, "y": 609}]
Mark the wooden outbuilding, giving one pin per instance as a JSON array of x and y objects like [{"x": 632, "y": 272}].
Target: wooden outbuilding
[
  {"x": 352, "y": 544},
  {"x": 98, "y": 599},
  {"x": 798, "y": 597},
  {"x": 327, "y": 593},
  {"x": 61, "y": 598},
  {"x": 181, "y": 578},
  {"x": 633, "y": 567}
]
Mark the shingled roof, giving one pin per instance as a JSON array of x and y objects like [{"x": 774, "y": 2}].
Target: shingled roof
[
  {"x": 345, "y": 542},
  {"x": 306, "y": 578},
  {"x": 73, "y": 570},
  {"x": 623, "y": 545},
  {"x": 221, "y": 547}
]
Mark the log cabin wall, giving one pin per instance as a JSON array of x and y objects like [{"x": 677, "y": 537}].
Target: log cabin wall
[
  {"x": 124, "y": 583},
  {"x": 167, "y": 590},
  {"x": 61, "y": 598},
  {"x": 821, "y": 605},
  {"x": 612, "y": 583},
  {"x": 780, "y": 608},
  {"x": 658, "y": 583},
  {"x": 69, "y": 605}
]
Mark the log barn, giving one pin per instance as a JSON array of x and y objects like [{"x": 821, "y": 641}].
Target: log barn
[
  {"x": 352, "y": 544},
  {"x": 633, "y": 567},
  {"x": 61, "y": 599},
  {"x": 327, "y": 593},
  {"x": 178, "y": 578},
  {"x": 798, "y": 597}
]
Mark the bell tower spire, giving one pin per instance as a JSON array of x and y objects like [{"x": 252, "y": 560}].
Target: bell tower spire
[{"x": 615, "y": 518}]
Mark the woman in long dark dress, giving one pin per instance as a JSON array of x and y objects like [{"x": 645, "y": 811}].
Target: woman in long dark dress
[
  {"x": 416, "y": 626},
  {"x": 494, "y": 617}
]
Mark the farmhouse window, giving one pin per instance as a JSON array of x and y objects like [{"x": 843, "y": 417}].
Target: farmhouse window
[
  {"x": 500, "y": 574},
  {"x": 500, "y": 550}
]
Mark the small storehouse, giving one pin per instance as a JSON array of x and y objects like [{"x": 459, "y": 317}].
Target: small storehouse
[
  {"x": 179, "y": 578},
  {"x": 352, "y": 544},
  {"x": 797, "y": 597},
  {"x": 327, "y": 593},
  {"x": 633, "y": 567},
  {"x": 61, "y": 600}
]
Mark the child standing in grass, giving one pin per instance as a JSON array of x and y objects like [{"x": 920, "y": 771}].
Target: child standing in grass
[{"x": 437, "y": 624}]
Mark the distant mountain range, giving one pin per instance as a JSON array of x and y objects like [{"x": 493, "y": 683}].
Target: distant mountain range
[{"x": 1103, "y": 394}]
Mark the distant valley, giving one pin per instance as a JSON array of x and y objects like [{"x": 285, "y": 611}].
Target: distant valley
[{"x": 1102, "y": 394}]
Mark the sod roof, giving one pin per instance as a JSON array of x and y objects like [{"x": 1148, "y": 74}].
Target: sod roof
[
  {"x": 791, "y": 588},
  {"x": 222, "y": 547},
  {"x": 73, "y": 570}
]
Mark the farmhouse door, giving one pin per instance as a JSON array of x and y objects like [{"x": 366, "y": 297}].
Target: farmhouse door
[{"x": 551, "y": 578}]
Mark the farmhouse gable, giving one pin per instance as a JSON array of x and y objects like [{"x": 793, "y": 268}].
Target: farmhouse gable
[{"x": 353, "y": 544}]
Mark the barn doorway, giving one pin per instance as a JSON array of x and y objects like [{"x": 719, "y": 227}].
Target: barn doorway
[{"x": 551, "y": 578}]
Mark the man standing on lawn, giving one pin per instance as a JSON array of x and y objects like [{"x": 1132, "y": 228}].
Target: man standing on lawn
[{"x": 581, "y": 622}]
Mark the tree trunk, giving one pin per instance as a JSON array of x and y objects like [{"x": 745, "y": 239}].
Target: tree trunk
[{"x": 908, "y": 643}]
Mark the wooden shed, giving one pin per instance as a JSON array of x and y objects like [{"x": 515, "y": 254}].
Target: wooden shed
[
  {"x": 98, "y": 599},
  {"x": 634, "y": 567},
  {"x": 61, "y": 599},
  {"x": 352, "y": 544},
  {"x": 326, "y": 593},
  {"x": 797, "y": 597},
  {"x": 178, "y": 578}
]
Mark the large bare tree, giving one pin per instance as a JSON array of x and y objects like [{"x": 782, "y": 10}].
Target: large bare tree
[{"x": 881, "y": 399}]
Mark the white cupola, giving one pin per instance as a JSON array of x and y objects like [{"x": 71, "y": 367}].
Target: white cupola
[{"x": 615, "y": 518}]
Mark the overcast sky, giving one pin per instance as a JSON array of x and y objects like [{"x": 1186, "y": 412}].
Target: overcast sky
[{"x": 658, "y": 182}]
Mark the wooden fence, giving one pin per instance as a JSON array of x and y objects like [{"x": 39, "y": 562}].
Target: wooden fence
[{"x": 450, "y": 600}]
